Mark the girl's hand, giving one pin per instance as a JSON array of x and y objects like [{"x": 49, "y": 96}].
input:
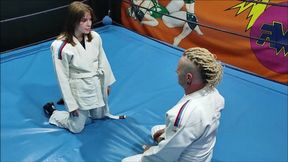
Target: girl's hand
[
  {"x": 108, "y": 90},
  {"x": 74, "y": 113}
]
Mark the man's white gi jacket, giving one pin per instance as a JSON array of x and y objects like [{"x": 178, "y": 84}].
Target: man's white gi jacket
[{"x": 191, "y": 127}]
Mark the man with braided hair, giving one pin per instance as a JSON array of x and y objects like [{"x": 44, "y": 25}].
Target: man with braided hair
[{"x": 191, "y": 125}]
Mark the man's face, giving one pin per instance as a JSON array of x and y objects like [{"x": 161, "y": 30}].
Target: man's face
[{"x": 181, "y": 75}]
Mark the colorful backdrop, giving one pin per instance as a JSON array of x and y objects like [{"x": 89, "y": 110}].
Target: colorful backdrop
[{"x": 251, "y": 36}]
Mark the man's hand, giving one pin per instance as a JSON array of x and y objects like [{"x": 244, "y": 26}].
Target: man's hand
[
  {"x": 74, "y": 113},
  {"x": 157, "y": 135}
]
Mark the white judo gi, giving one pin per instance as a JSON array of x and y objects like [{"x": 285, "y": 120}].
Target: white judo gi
[
  {"x": 83, "y": 75},
  {"x": 190, "y": 130}
]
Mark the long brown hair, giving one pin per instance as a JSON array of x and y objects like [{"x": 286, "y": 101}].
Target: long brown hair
[{"x": 76, "y": 11}]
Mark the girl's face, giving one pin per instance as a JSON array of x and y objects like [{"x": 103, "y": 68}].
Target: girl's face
[{"x": 85, "y": 24}]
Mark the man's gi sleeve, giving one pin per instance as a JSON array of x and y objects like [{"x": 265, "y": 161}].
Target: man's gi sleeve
[
  {"x": 61, "y": 65},
  {"x": 169, "y": 150}
]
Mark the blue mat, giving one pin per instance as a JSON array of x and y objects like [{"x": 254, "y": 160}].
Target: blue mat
[{"x": 253, "y": 125}]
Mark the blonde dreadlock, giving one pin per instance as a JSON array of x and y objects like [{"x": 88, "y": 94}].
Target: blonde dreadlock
[{"x": 210, "y": 69}]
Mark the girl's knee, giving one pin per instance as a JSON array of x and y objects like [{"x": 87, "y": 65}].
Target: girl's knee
[
  {"x": 76, "y": 125},
  {"x": 77, "y": 129}
]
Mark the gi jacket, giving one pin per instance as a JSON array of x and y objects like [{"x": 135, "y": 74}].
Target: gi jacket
[
  {"x": 191, "y": 127},
  {"x": 83, "y": 73}
]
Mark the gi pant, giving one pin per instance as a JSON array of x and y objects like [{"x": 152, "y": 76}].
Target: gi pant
[{"x": 76, "y": 124}]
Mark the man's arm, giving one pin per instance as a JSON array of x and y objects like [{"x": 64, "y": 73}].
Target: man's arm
[{"x": 171, "y": 149}]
